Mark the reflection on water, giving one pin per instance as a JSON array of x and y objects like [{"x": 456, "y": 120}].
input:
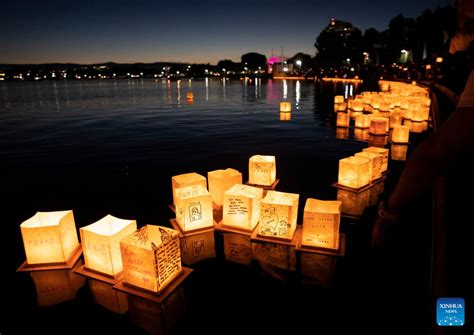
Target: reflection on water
[
  {"x": 361, "y": 134},
  {"x": 285, "y": 116},
  {"x": 378, "y": 140},
  {"x": 277, "y": 260},
  {"x": 398, "y": 152},
  {"x": 237, "y": 248},
  {"x": 56, "y": 286},
  {"x": 342, "y": 133},
  {"x": 376, "y": 192},
  {"x": 197, "y": 247},
  {"x": 317, "y": 269},
  {"x": 104, "y": 295}
]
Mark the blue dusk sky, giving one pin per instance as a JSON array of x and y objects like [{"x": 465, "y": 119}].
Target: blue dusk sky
[{"x": 47, "y": 31}]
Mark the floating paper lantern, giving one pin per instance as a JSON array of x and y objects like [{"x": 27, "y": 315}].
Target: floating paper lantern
[
  {"x": 56, "y": 286},
  {"x": 378, "y": 140},
  {"x": 49, "y": 237},
  {"x": 285, "y": 107},
  {"x": 338, "y": 99},
  {"x": 416, "y": 127},
  {"x": 197, "y": 247},
  {"x": 340, "y": 107},
  {"x": 342, "y": 120},
  {"x": 398, "y": 152},
  {"x": 357, "y": 106},
  {"x": 363, "y": 121},
  {"x": 342, "y": 133},
  {"x": 220, "y": 181},
  {"x": 379, "y": 126},
  {"x": 285, "y": 116},
  {"x": 395, "y": 119},
  {"x": 353, "y": 203},
  {"x": 278, "y": 213},
  {"x": 187, "y": 179},
  {"x": 106, "y": 296},
  {"x": 384, "y": 87},
  {"x": 321, "y": 224},
  {"x": 242, "y": 207},
  {"x": 262, "y": 170},
  {"x": 101, "y": 244},
  {"x": 376, "y": 162},
  {"x": 189, "y": 95},
  {"x": 361, "y": 134},
  {"x": 354, "y": 172},
  {"x": 193, "y": 208},
  {"x": 237, "y": 248},
  {"x": 381, "y": 151},
  {"x": 151, "y": 258},
  {"x": 400, "y": 134}
]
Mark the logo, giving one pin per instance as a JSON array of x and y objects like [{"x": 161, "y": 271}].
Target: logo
[{"x": 450, "y": 311}]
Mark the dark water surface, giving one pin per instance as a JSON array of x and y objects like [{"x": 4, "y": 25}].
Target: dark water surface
[{"x": 111, "y": 147}]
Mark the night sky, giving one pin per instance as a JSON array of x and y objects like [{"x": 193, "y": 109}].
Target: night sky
[{"x": 46, "y": 31}]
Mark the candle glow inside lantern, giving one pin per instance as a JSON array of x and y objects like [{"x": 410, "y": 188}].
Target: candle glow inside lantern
[
  {"x": 353, "y": 203},
  {"x": 400, "y": 134},
  {"x": 381, "y": 151},
  {"x": 220, "y": 181},
  {"x": 285, "y": 107},
  {"x": 342, "y": 120},
  {"x": 354, "y": 172},
  {"x": 321, "y": 223},
  {"x": 357, "y": 106},
  {"x": 101, "y": 244},
  {"x": 151, "y": 258},
  {"x": 395, "y": 119},
  {"x": 49, "y": 237},
  {"x": 338, "y": 99},
  {"x": 278, "y": 214},
  {"x": 262, "y": 170},
  {"x": 378, "y": 126},
  {"x": 193, "y": 208},
  {"x": 187, "y": 179},
  {"x": 341, "y": 107},
  {"x": 363, "y": 121},
  {"x": 242, "y": 207},
  {"x": 376, "y": 162}
]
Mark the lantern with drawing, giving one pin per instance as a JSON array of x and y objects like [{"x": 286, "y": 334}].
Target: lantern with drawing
[
  {"x": 354, "y": 172},
  {"x": 278, "y": 214},
  {"x": 193, "y": 208},
  {"x": 220, "y": 181},
  {"x": 151, "y": 258},
  {"x": 50, "y": 237},
  {"x": 101, "y": 244},
  {"x": 242, "y": 207},
  {"x": 187, "y": 179},
  {"x": 321, "y": 224},
  {"x": 262, "y": 170}
]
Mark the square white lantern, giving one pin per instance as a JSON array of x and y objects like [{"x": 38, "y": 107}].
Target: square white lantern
[
  {"x": 193, "y": 208},
  {"x": 49, "y": 237},
  {"x": 285, "y": 106},
  {"x": 187, "y": 179},
  {"x": 262, "y": 170},
  {"x": 242, "y": 207},
  {"x": 363, "y": 121},
  {"x": 357, "y": 106},
  {"x": 101, "y": 244},
  {"x": 321, "y": 223},
  {"x": 220, "y": 181},
  {"x": 343, "y": 120},
  {"x": 376, "y": 163},
  {"x": 278, "y": 214},
  {"x": 353, "y": 203},
  {"x": 401, "y": 134},
  {"x": 151, "y": 258},
  {"x": 381, "y": 151},
  {"x": 354, "y": 172}
]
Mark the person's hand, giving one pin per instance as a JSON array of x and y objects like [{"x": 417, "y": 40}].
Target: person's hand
[{"x": 383, "y": 229}]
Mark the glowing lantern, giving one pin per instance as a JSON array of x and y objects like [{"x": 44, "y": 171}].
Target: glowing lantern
[
  {"x": 342, "y": 120},
  {"x": 416, "y": 127},
  {"x": 384, "y": 106},
  {"x": 398, "y": 152},
  {"x": 49, "y": 237},
  {"x": 262, "y": 170},
  {"x": 285, "y": 106},
  {"x": 424, "y": 126},
  {"x": 321, "y": 223},
  {"x": 439, "y": 59},
  {"x": 237, "y": 248},
  {"x": 193, "y": 208},
  {"x": 104, "y": 295},
  {"x": 284, "y": 116},
  {"x": 56, "y": 286},
  {"x": 101, "y": 244},
  {"x": 354, "y": 172},
  {"x": 151, "y": 258},
  {"x": 381, "y": 151},
  {"x": 363, "y": 121},
  {"x": 340, "y": 107},
  {"x": 278, "y": 213},
  {"x": 378, "y": 140},
  {"x": 357, "y": 106},
  {"x": 378, "y": 126},
  {"x": 353, "y": 203},
  {"x": 187, "y": 179},
  {"x": 242, "y": 207},
  {"x": 400, "y": 134},
  {"x": 220, "y": 181},
  {"x": 338, "y": 99},
  {"x": 361, "y": 134},
  {"x": 376, "y": 162},
  {"x": 197, "y": 247},
  {"x": 384, "y": 87},
  {"x": 189, "y": 95},
  {"x": 342, "y": 133},
  {"x": 395, "y": 119}
]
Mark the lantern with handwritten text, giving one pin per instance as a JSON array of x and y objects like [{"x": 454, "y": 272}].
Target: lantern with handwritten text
[
  {"x": 220, "y": 181},
  {"x": 151, "y": 258},
  {"x": 187, "y": 179},
  {"x": 278, "y": 214},
  {"x": 49, "y": 237},
  {"x": 354, "y": 172},
  {"x": 321, "y": 223},
  {"x": 262, "y": 170},
  {"x": 193, "y": 208},
  {"x": 101, "y": 244},
  {"x": 242, "y": 207}
]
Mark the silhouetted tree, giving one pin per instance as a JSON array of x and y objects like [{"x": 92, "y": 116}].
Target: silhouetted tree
[
  {"x": 306, "y": 60},
  {"x": 228, "y": 65},
  {"x": 254, "y": 60}
]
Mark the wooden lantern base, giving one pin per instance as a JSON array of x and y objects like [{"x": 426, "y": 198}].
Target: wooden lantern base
[
  {"x": 154, "y": 296},
  {"x": 182, "y": 233},
  {"x": 85, "y": 271},
  {"x": 256, "y": 237},
  {"x": 323, "y": 251},
  {"x": 269, "y": 187},
  {"x": 219, "y": 226},
  {"x": 363, "y": 188},
  {"x": 69, "y": 264}
]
